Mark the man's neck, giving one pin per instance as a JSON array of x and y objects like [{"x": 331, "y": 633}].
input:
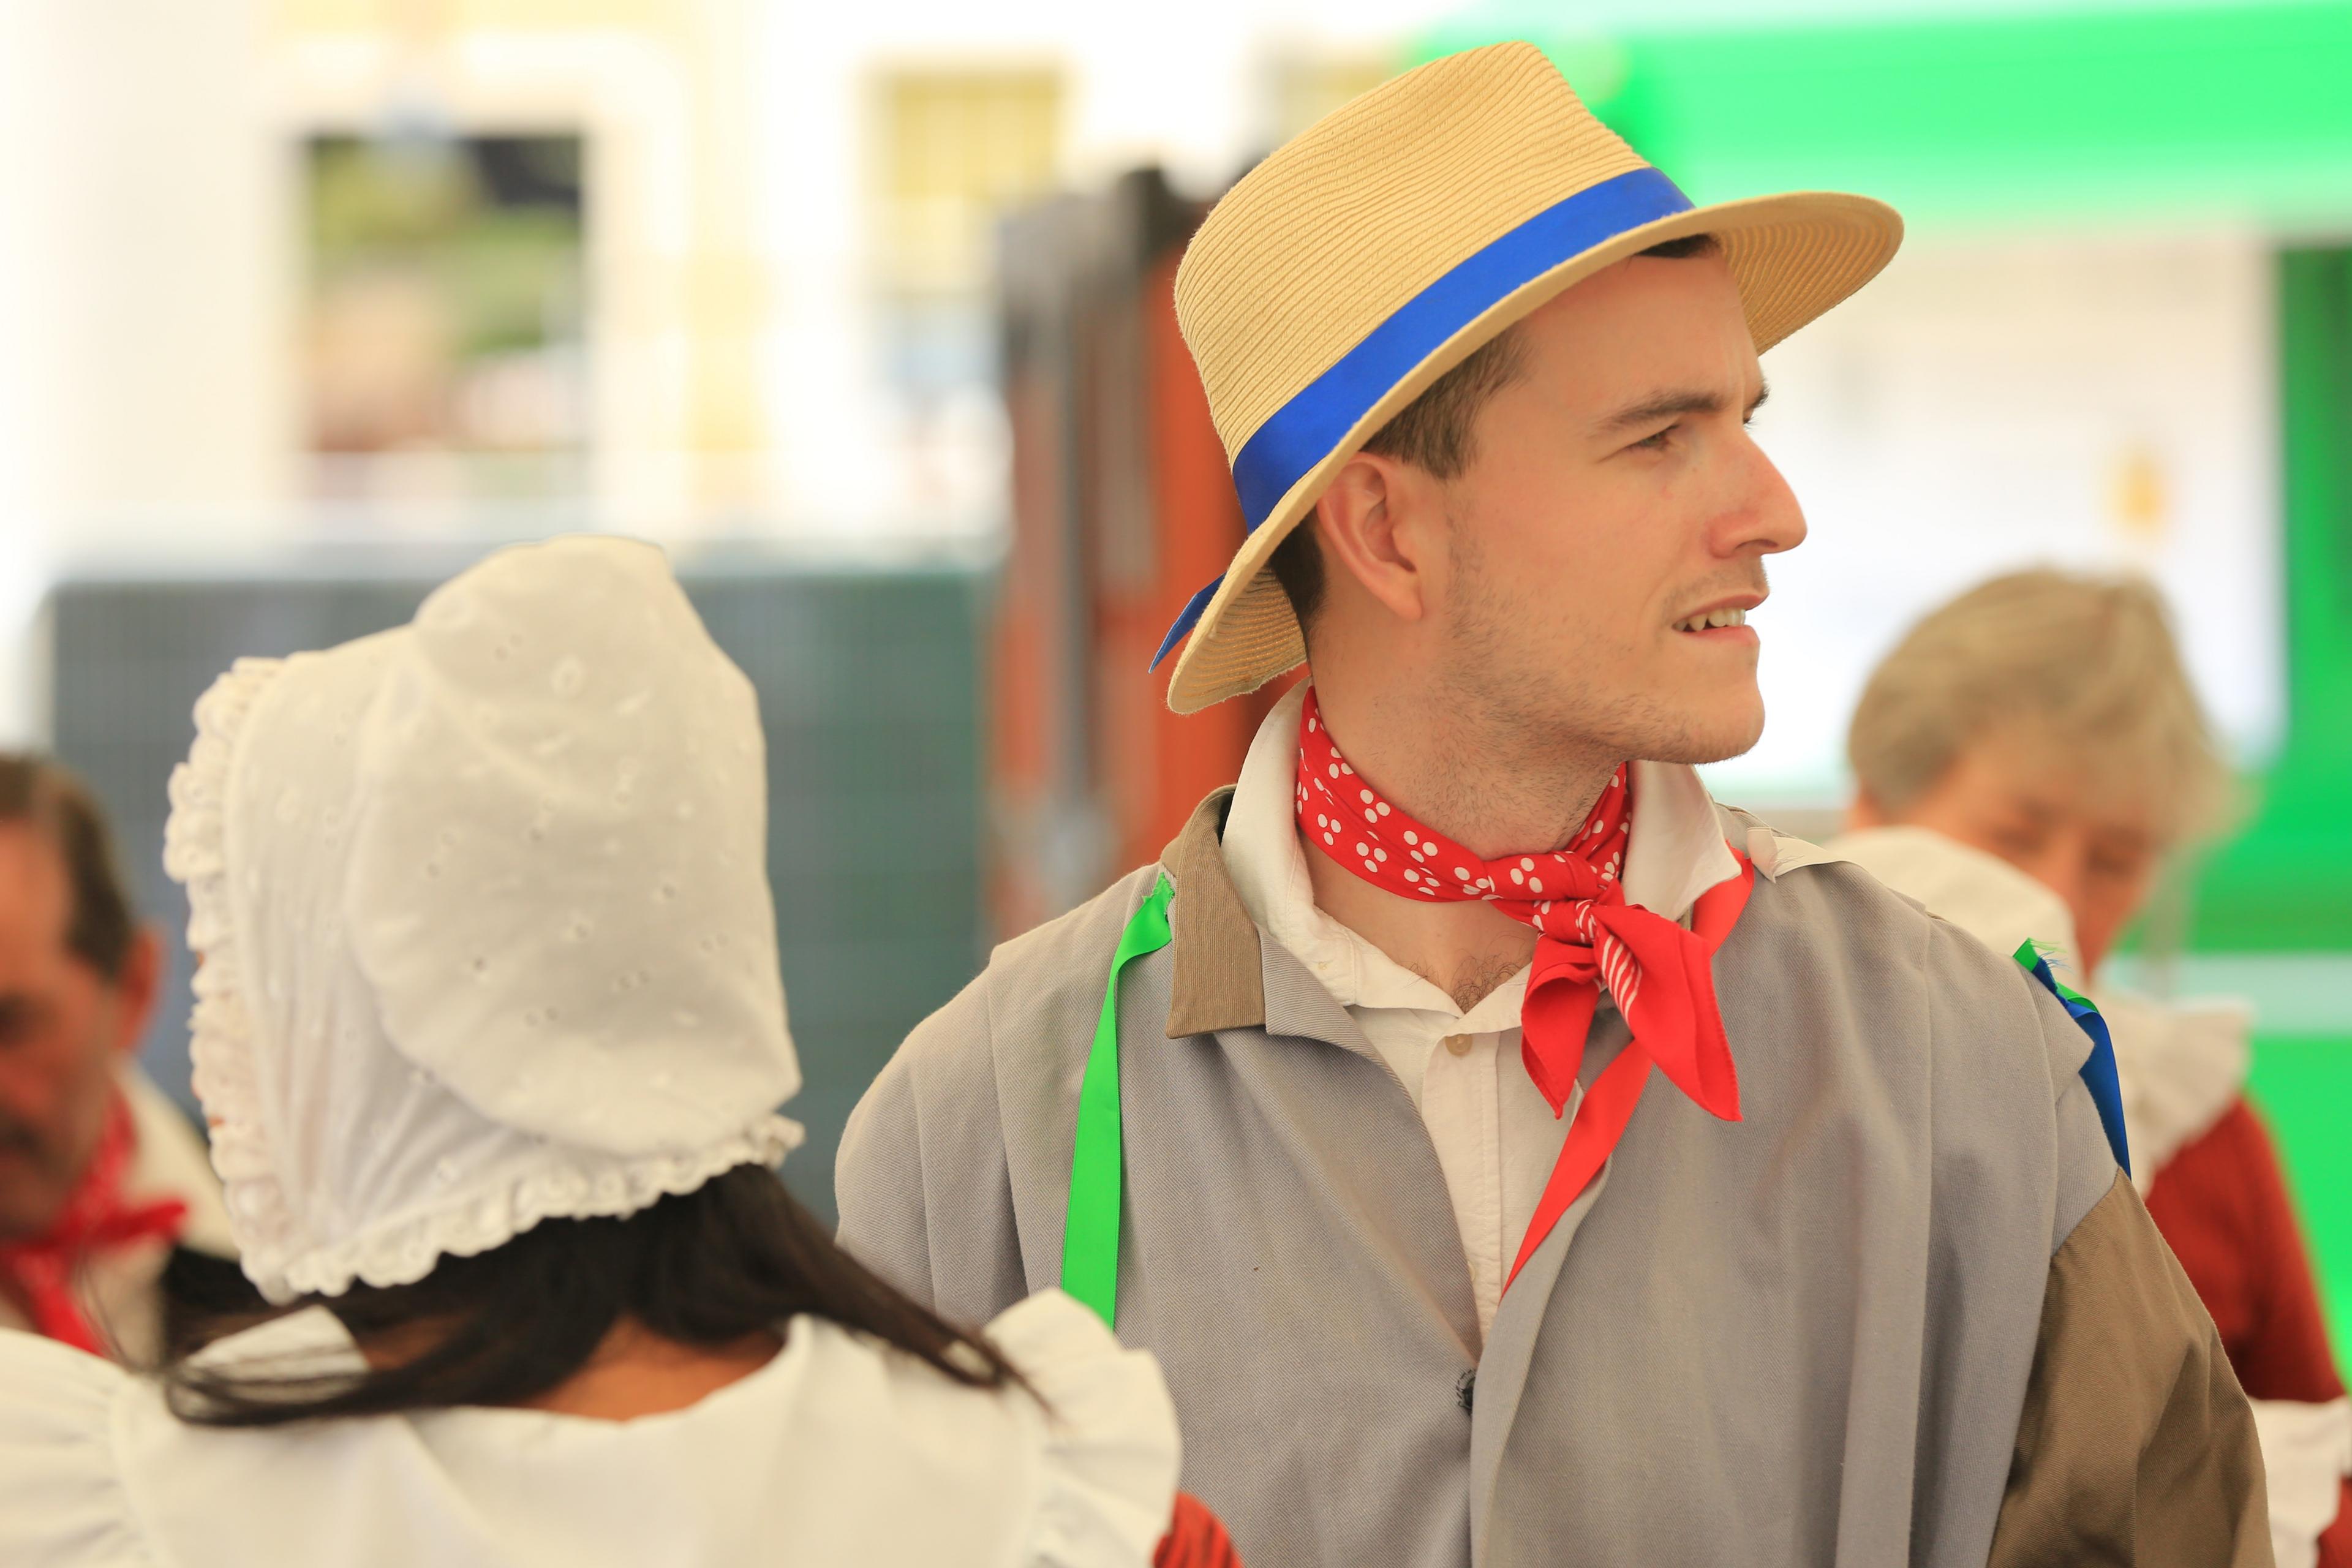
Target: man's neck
[
  {"x": 1453, "y": 783},
  {"x": 1465, "y": 950},
  {"x": 1493, "y": 796}
]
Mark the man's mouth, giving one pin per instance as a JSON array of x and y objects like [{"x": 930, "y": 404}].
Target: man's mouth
[{"x": 1708, "y": 620}]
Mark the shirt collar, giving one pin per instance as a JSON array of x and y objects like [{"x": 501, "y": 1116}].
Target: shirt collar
[{"x": 1674, "y": 852}]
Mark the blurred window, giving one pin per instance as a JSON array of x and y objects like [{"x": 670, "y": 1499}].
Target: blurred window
[
  {"x": 957, "y": 147},
  {"x": 954, "y": 150},
  {"x": 445, "y": 349},
  {"x": 2098, "y": 402}
]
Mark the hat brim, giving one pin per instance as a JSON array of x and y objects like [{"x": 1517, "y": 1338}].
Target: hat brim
[{"x": 1794, "y": 256}]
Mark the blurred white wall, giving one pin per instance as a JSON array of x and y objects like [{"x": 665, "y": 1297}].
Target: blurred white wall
[
  {"x": 144, "y": 400},
  {"x": 2101, "y": 400},
  {"x": 143, "y": 225}
]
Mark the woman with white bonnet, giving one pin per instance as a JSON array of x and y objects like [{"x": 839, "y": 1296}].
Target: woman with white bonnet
[
  {"x": 2026, "y": 761},
  {"x": 490, "y": 1036}
]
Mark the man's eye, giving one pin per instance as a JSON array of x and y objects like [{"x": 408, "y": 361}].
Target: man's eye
[{"x": 1657, "y": 443}]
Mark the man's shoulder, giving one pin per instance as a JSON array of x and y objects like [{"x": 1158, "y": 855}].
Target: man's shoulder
[
  {"x": 1837, "y": 923},
  {"x": 1985, "y": 1052},
  {"x": 1075, "y": 948},
  {"x": 973, "y": 1114},
  {"x": 1833, "y": 900},
  {"x": 1039, "y": 986},
  {"x": 1824, "y": 901}
]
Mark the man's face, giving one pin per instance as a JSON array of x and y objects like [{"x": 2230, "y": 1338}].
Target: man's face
[
  {"x": 1613, "y": 495},
  {"x": 2100, "y": 857},
  {"x": 62, "y": 1024}
]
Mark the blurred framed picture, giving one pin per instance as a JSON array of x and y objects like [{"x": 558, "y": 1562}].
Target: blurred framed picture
[{"x": 445, "y": 332}]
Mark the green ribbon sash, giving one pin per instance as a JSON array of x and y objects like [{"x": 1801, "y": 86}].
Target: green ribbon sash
[{"x": 1098, "y": 1174}]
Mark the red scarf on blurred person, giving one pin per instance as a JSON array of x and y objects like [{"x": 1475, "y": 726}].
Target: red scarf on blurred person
[
  {"x": 1660, "y": 974},
  {"x": 95, "y": 1220}
]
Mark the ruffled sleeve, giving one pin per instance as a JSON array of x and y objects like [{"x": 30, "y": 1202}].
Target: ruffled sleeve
[
  {"x": 2307, "y": 1451},
  {"x": 1107, "y": 1483},
  {"x": 61, "y": 1499}
]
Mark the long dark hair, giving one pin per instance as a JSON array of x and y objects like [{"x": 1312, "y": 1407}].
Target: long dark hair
[{"x": 707, "y": 1269}]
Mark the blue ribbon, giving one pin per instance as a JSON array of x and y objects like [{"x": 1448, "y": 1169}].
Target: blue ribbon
[
  {"x": 1310, "y": 426},
  {"x": 2099, "y": 1067}
]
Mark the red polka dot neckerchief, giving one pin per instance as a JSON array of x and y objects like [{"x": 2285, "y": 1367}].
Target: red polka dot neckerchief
[
  {"x": 1660, "y": 974},
  {"x": 96, "y": 1219}
]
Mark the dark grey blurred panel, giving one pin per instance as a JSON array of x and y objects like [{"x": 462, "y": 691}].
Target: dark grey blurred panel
[{"x": 870, "y": 697}]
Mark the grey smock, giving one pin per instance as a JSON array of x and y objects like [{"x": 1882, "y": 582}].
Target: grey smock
[{"x": 1906, "y": 1310}]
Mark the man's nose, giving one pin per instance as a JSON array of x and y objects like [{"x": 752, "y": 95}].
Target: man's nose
[{"x": 1763, "y": 517}]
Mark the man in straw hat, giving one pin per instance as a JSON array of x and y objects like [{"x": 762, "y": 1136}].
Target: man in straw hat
[{"x": 1346, "y": 1108}]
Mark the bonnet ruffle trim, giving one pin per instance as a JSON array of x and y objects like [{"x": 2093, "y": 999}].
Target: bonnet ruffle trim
[
  {"x": 558, "y": 1184},
  {"x": 281, "y": 1260},
  {"x": 220, "y": 1030}
]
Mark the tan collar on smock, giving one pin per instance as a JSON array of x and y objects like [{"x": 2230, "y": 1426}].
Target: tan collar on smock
[{"x": 1238, "y": 865}]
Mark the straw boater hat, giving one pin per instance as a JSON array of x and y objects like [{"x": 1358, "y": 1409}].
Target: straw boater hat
[{"x": 1389, "y": 242}]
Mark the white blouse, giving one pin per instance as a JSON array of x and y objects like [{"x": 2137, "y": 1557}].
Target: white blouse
[{"x": 836, "y": 1451}]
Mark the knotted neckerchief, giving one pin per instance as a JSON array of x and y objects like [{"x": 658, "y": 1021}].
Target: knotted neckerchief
[
  {"x": 96, "y": 1220},
  {"x": 1660, "y": 974}
]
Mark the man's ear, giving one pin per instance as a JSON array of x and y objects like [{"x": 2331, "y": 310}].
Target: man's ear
[
  {"x": 136, "y": 988},
  {"x": 1381, "y": 522}
]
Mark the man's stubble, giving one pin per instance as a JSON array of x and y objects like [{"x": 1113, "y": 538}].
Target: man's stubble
[{"x": 1525, "y": 682}]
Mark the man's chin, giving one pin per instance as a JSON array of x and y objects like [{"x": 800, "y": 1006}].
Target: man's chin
[{"x": 1701, "y": 742}]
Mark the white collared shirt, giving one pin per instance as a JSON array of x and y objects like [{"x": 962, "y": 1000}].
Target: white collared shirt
[{"x": 1496, "y": 1140}]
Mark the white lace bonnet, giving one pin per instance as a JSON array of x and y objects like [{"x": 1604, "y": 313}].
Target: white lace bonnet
[{"x": 483, "y": 922}]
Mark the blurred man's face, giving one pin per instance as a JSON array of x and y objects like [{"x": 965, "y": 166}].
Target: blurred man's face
[
  {"x": 2101, "y": 857},
  {"x": 62, "y": 1025},
  {"x": 1615, "y": 514}
]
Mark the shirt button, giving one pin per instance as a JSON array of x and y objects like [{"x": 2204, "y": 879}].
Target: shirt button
[{"x": 1458, "y": 1044}]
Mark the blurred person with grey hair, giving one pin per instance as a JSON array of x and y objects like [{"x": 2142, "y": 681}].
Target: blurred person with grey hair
[
  {"x": 112, "y": 1238},
  {"x": 2027, "y": 761}
]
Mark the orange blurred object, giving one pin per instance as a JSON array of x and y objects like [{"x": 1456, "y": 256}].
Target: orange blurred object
[{"x": 1122, "y": 508}]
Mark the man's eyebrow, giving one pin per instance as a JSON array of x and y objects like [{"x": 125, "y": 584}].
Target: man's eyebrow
[{"x": 1672, "y": 405}]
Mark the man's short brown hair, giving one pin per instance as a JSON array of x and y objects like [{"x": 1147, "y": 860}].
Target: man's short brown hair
[
  {"x": 1435, "y": 432},
  {"x": 50, "y": 799}
]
